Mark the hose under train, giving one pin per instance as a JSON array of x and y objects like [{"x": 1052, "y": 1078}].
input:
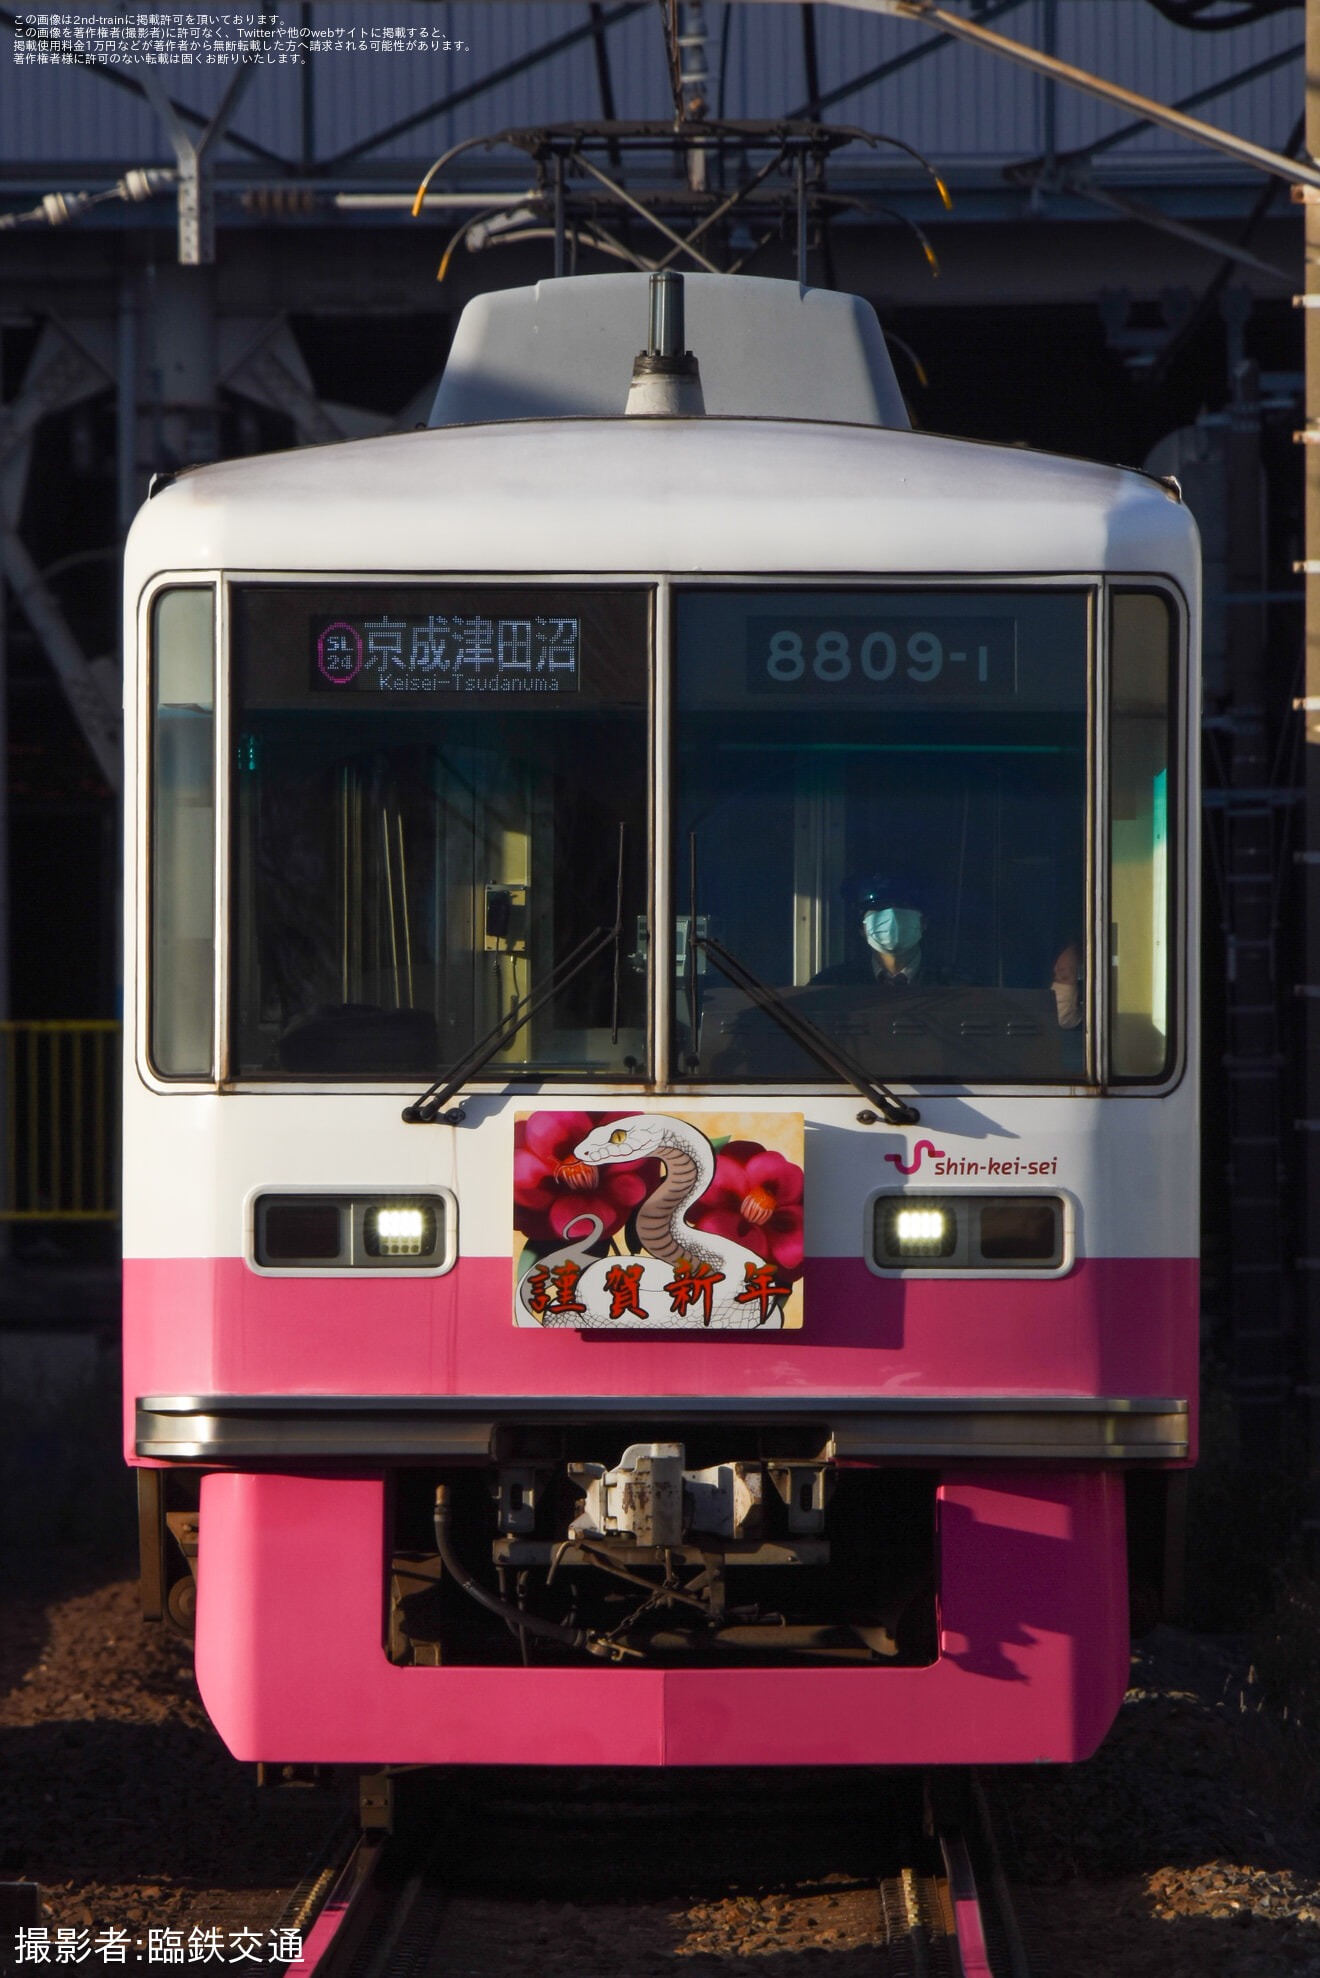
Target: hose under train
[{"x": 515, "y": 1616}]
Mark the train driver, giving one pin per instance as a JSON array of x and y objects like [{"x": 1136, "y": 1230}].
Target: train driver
[{"x": 892, "y": 925}]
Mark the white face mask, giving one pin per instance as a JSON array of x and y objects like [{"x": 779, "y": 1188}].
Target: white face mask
[{"x": 893, "y": 929}]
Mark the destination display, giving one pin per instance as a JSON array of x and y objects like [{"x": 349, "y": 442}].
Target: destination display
[
  {"x": 449, "y": 653},
  {"x": 927, "y": 658}
]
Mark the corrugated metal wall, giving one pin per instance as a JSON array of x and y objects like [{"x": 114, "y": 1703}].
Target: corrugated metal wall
[{"x": 961, "y": 107}]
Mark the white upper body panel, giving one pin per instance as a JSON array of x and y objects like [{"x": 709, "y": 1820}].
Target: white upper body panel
[
  {"x": 194, "y": 1160},
  {"x": 713, "y": 496},
  {"x": 689, "y": 496}
]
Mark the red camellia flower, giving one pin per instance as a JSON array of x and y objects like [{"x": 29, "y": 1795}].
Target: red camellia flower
[
  {"x": 552, "y": 1188},
  {"x": 756, "y": 1198}
]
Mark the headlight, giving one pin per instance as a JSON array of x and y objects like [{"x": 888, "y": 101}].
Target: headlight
[
  {"x": 969, "y": 1232},
  {"x": 399, "y": 1232},
  {"x": 922, "y": 1232},
  {"x": 339, "y": 1232}
]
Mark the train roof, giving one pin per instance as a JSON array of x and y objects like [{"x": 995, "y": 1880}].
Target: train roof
[
  {"x": 805, "y": 461},
  {"x": 566, "y": 348},
  {"x": 590, "y": 495}
]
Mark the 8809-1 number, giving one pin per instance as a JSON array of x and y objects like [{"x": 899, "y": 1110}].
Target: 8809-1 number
[{"x": 877, "y": 657}]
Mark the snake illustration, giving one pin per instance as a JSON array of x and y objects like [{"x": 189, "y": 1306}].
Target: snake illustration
[{"x": 662, "y": 1231}]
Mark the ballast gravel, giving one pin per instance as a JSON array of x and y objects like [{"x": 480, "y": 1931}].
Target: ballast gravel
[
  {"x": 1190, "y": 1843},
  {"x": 1188, "y": 1847},
  {"x": 116, "y": 1795}
]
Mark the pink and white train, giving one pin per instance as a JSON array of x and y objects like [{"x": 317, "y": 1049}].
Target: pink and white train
[{"x": 660, "y": 1086}]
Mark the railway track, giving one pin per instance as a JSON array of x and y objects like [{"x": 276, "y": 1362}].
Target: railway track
[{"x": 387, "y": 1905}]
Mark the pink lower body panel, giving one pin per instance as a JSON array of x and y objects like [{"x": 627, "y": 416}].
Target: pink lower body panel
[
  {"x": 1032, "y": 1665},
  {"x": 1113, "y": 1326}
]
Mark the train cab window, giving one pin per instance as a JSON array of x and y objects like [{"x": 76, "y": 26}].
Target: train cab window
[
  {"x": 1142, "y": 651},
  {"x": 438, "y": 792},
  {"x": 182, "y": 973},
  {"x": 882, "y": 813}
]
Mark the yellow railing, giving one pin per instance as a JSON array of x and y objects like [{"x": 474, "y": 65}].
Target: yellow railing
[{"x": 59, "y": 1091}]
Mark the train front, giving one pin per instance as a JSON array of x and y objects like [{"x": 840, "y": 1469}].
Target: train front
[{"x": 660, "y": 1180}]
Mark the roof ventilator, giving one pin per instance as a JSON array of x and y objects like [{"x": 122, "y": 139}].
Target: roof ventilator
[{"x": 666, "y": 383}]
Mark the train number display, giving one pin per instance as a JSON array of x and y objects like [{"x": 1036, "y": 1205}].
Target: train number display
[{"x": 958, "y": 658}]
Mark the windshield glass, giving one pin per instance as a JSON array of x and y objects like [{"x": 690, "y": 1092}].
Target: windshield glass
[
  {"x": 882, "y": 797},
  {"x": 430, "y": 789}
]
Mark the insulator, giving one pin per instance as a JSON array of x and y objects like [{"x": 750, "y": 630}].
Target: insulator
[
  {"x": 137, "y": 185},
  {"x": 61, "y": 206}
]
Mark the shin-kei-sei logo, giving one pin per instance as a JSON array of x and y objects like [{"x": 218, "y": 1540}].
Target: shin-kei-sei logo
[
  {"x": 922, "y": 1147},
  {"x": 1006, "y": 1166}
]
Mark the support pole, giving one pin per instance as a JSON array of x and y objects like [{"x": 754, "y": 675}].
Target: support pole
[
  {"x": 605, "y": 77},
  {"x": 1049, "y": 90},
  {"x": 811, "y": 62},
  {"x": 1262, "y": 1370},
  {"x": 6, "y": 1096},
  {"x": 694, "y": 83},
  {"x": 560, "y": 269},
  {"x": 1309, "y": 1124},
  {"x": 307, "y": 89},
  {"x": 180, "y": 360},
  {"x": 126, "y": 405},
  {"x": 802, "y": 217},
  {"x": 196, "y": 197}
]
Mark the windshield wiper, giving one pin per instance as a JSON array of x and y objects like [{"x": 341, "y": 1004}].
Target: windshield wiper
[
  {"x": 431, "y": 1106},
  {"x": 804, "y": 1032}
]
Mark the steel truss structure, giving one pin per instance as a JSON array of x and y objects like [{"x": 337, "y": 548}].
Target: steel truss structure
[{"x": 200, "y": 177}]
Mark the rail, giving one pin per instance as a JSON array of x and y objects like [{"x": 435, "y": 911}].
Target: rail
[
  {"x": 945, "y": 1906},
  {"x": 60, "y": 1098}
]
